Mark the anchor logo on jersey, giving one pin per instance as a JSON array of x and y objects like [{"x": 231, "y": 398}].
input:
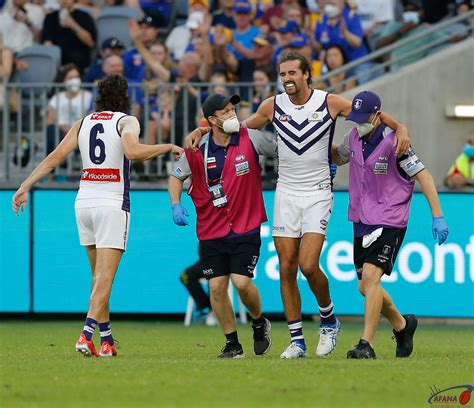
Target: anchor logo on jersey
[{"x": 357, "y": 104}]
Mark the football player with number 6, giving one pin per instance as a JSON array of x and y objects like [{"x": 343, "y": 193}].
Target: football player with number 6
[{"x": 107, "y": 140}]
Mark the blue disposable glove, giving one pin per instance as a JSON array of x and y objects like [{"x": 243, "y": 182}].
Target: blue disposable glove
[
  {"x": 333, "y": 170},
  {"x": 179, "y": 215},
  {"x": 440, "y": 229}
]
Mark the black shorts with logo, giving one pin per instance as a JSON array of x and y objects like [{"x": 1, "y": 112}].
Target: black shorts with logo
[
  {"x": 381, "y": 253},
  {"x": 239, "y": 255}
]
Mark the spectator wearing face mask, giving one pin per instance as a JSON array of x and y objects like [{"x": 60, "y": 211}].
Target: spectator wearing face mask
[
  {"x": 412, "y": 23},
  {"x": 181, "y": 36},
  {"x": 67, "y": 106},
  {"x": 461, "y": 173},
  {"x": 340, "y": 25},
  {"x": 374, "y": 14}
]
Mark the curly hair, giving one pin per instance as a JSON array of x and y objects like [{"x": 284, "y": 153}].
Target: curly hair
[
  {"x": 113, "y": 95},
  {"x": 296, "y": 56}
]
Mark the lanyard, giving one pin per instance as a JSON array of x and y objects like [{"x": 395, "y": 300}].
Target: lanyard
[{"x": 206, "y": 154}]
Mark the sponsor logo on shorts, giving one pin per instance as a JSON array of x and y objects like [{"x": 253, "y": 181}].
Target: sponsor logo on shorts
[
  {"x": 208, "y": 272},
  {"x": 324, "y": 224},
  {"x": 107, "y": 175},
  {"x": 253, "y": 264},
  {"x": 386, "y": 249},
  {"x": 102, "y": 116},
  {"x": 279, "y": 229}
]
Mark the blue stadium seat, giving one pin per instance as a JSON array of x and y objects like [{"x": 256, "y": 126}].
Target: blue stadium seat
[
  {"x": 43, "y": 62},
  {"x": 113, "y": 22}
]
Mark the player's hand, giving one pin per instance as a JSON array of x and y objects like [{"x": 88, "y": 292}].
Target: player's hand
[
  {"x": 333, "y": 170},
  {"x": 19, "y": 200},
  {"x": 192, "y": 140},
  {"x": 179, "y": 215},
  {"x": 177, "y": 151},
  {"x": 439, "y": 229},
  {"x": 402, "y": 141}
]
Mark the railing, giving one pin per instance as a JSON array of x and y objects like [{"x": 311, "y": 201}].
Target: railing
[
  {"x": 28, "y": 125},
  {"x": 28, "y": 134}
]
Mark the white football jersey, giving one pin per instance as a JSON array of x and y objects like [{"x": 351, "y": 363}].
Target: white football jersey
[
  {"x": 305, "y": 134},
  {"x": 105, "y": 180}
]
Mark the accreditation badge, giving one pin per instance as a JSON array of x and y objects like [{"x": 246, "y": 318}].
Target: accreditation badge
[{"x": 218, "y": 196}]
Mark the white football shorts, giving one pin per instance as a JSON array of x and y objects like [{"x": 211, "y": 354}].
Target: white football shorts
[
  {"x": 104, "y": 227},
  {"x": 294, "y": 216}
]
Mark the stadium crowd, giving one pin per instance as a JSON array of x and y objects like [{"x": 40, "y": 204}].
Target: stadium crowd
[{"x": 175, "y": 44}]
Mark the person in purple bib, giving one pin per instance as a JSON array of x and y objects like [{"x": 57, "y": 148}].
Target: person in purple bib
[{"x": 380, "y": 191}]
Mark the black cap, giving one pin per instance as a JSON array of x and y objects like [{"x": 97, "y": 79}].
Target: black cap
[
  {"x": 112, "y": 42},
  {"x": 216, "y": 102},
  {"x": 150, "y": 20}
]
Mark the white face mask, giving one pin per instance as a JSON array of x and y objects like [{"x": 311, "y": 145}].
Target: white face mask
[
  {"x": 331, "y": 10},
  {"x": 73, "y": 84},
  {"x": 411, "y": 17},
  {"x": 230, "y": 125},
  {"x": 364, "y": 128}
]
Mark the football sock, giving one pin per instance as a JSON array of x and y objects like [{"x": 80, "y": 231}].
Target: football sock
[
  {"x": 232, "y": 338},
  {"x": 327, "y": 314},
  {"x": 258, "y": 321},
  {"x": 106, "y": 333},
  {"x": 89, "y": 328},
  {"x": 296, "y": 333}
]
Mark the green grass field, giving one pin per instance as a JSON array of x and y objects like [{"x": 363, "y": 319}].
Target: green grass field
[{"x": 168, "y": 365}]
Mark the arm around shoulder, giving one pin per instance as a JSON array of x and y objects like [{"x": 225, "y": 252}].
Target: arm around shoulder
[{"x": 262, "y": 116}]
